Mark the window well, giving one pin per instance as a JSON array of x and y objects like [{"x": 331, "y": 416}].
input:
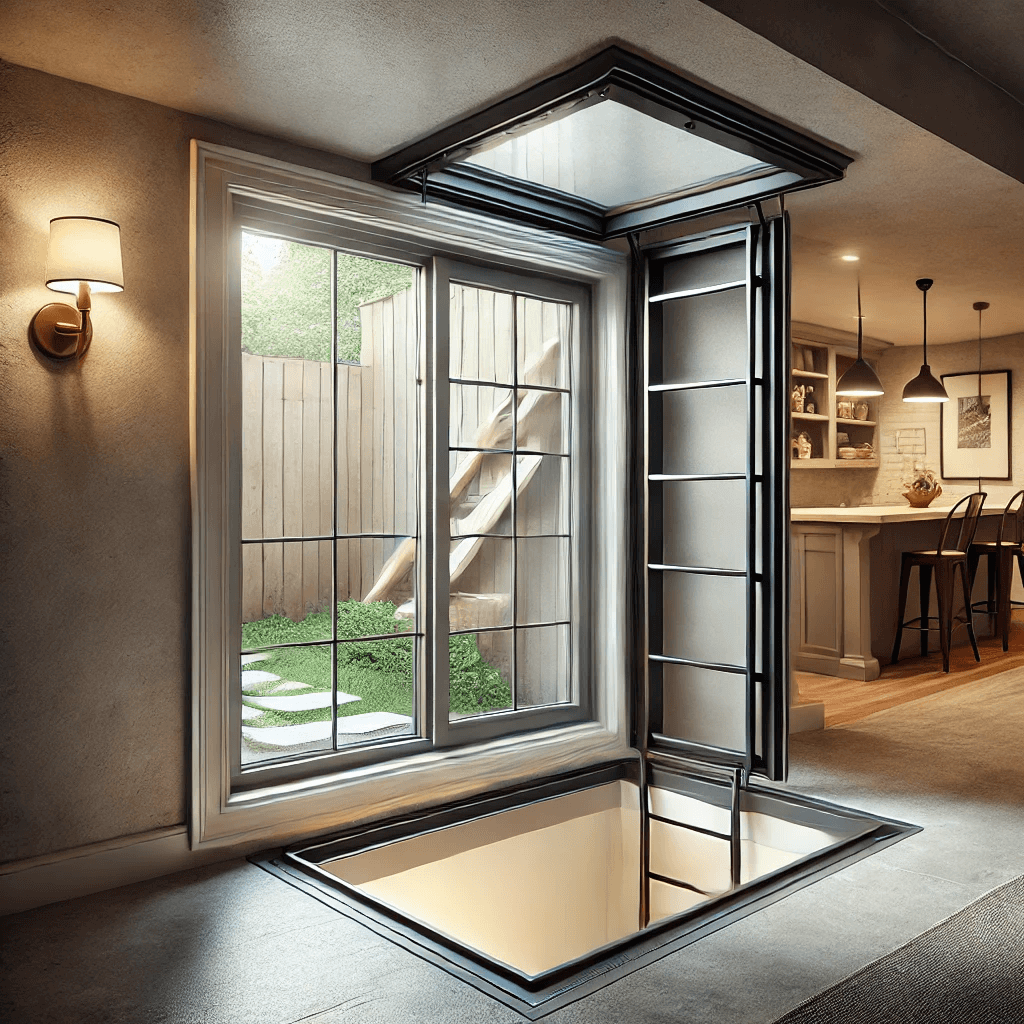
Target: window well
[
  {"x": 542, "y": 895},
  {"x": 612, "y": 146}
]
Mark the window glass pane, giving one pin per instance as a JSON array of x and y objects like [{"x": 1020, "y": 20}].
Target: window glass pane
[
  {"x": 286, "y": 592},
  {"x": 375, "y": 586},
  {"x": 703, "y": 431},
  {"x": 613, "y": 155},
  {"x": 704, "y": 338},
  {"x": 542, "y": 575},
  {"x": 542, "y": 342},
  {"x": 543, "y": 486},
  {"x": 286, "y": 698},
  {"x": 479, "y": 417},
  {"x": 480, "y": 340},
  {"x": 286, "y": 299},
  {"x": 542, "y": 666},
  {"x": 378, "y": 462},
  {"x": 480, "y": 673},
  {"x": 703, "y": 617},
  {"x": 490, "y": 492},
  {"x": 481, "y": 583},
  {"x": 703, "y": 523},
  {"x": 375, "y": 689},
  {"x": 543, "y": 421},
  {"x": 364, "y": 290},
  {"x": 298, "y": 406}
]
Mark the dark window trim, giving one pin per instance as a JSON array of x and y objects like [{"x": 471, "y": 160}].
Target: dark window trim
[{"x": 427, "y": 165}]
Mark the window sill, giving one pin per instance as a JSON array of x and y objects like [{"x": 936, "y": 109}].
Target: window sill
[{"x": 286, "y": 811}]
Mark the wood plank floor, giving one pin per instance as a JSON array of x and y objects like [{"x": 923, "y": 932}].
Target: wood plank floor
[{"x": 849, "y": 700}]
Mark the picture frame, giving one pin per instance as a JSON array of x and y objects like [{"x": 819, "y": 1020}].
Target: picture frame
[{"x": 974, "y": 433}]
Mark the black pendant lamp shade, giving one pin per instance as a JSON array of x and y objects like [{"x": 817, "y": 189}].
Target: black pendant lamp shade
[
  {"x": 859, "y": 379},
  {"x": 924, "y": 387}
]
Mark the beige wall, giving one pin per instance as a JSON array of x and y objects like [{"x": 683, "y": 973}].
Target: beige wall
[
  {"x": 884, "y": 486},
  {"x": 94, "y": 471},
  {"x": 899, "y": 365}
]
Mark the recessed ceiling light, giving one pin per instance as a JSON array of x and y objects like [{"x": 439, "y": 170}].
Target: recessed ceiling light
[{"x": 850, "y": 258}]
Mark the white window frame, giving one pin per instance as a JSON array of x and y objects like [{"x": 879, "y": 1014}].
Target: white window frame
[{"x": 277, "y": 807}]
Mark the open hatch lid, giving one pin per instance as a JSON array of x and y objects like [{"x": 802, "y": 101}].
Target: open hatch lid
[{"x": 614, "y": 145}]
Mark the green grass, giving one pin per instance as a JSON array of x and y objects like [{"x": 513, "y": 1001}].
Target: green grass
[{"x": 379, "y": 672}]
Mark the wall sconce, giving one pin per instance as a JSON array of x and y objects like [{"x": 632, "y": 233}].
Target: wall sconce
[{"x": 84, "y": 255}]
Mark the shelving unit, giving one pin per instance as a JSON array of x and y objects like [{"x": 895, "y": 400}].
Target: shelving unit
[{"x": 831, "y": 354}]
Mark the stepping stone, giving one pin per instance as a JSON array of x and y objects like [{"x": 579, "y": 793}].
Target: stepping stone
[
  {"x": 288, "y": 735},
  {"x": 302, "y": 701},
  {"x": 254, "y": 678},
  {"x": 249, "y": 713},
  {"x": 371, "y": 722},
  {"x": 318, "y": 732},
  {"x": 248, "y": 659},
  {"x": 284, "y": 687}
]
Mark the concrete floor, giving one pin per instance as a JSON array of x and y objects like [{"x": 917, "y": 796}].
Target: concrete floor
[{"x": 231, "y": 943}]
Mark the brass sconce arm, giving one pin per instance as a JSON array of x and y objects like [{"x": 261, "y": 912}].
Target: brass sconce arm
[{"x": 82, "y": 331}]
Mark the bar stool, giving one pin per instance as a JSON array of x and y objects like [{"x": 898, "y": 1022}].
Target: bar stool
[
  {"x": 1008, "y": 545},
  {"x": 955, "y": 540}
]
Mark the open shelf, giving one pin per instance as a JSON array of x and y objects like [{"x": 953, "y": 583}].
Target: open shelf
[{"x": 816, "y": 367}]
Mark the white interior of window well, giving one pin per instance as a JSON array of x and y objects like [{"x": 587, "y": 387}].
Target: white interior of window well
[
  {"x": 537, "y": 886},
  {"x": 613, "y": 155}
]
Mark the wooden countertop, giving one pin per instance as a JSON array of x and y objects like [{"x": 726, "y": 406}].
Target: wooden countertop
[{"x": 876, "y": 514}]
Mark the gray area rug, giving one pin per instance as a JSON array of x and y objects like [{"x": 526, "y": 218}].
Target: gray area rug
[{"x": 967, "y": 970}]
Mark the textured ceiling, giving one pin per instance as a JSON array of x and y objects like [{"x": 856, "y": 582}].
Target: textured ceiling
[
  {"x": 362, "y": 79},
  {"x": 987, "y": 35}
]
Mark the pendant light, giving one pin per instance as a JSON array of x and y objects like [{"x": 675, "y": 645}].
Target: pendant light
[
  {"x": 924, "y": 387},
  {"x": 980, "y": 307},
  {"x": 859, "y": 379}
]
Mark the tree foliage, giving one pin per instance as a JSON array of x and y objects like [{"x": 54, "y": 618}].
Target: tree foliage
[{"x": 286, "y": 298}]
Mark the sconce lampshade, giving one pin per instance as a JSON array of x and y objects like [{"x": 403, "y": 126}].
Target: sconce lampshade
[{"x": 84, "y": 249}]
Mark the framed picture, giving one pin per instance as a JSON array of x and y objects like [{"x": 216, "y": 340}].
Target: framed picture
[{"x": 975, "y": 426}]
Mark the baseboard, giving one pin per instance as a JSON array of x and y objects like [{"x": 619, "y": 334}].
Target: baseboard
[
  {"x": 84, "y": 870},
  {"x": 806, "y": 717}
]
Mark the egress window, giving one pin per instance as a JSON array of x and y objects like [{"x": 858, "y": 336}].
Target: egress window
[{"x": 347, "y": 606}]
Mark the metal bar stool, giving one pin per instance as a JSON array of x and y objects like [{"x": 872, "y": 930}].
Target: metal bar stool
[
  {"x": 1008, "y": 545},
  {"x": 955, "y": 540}
]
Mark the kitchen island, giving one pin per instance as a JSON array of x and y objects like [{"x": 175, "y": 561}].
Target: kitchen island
[{"x": 845, "y": 583}]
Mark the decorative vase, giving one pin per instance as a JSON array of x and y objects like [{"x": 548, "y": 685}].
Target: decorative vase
[
  {"x": 922, "y": 499},
  {"x": 923, "y": 487}
]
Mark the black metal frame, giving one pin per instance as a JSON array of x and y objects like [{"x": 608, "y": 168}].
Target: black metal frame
[
  {"x": 431, "y": 166},
  {"x": 766, "y": 667},
  {"x": 536, "y": 995}
]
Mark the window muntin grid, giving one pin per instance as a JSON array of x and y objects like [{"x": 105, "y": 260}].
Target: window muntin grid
[{"x": 509, "y": 440}]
